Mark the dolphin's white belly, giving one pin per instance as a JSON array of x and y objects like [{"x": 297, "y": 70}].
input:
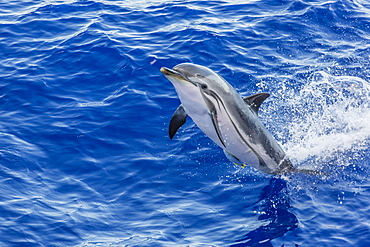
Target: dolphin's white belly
[
  {"x": 196, "y": 108},
  {"x": 234, "y": 143},
  {"x": 204, "y": 122}
]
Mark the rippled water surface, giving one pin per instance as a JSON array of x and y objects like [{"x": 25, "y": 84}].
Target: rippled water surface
[{"x": 84, "y": 149}]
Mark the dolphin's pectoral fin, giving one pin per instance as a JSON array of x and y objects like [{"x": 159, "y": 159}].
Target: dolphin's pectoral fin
[
  {"x": 234, "y": 159},
  {"x": 177, "y": 120},
  {"x": 256, "y": 100}
]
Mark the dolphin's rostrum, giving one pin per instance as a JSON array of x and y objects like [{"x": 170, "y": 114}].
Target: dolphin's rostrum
[{"x": 227, "y": 119}]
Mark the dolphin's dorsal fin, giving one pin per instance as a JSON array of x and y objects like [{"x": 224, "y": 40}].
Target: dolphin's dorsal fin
[
  {"x": 177, "y": 120},
  {"x": 256, "y": 100}
]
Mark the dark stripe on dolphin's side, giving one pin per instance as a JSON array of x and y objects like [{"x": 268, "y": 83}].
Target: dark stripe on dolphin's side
[
  {"x": 213, "y": 115},
  {"x": 220, "y": 102}
]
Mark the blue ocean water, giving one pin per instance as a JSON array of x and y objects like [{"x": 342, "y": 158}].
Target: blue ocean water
[{"x": 84, "y": 149}]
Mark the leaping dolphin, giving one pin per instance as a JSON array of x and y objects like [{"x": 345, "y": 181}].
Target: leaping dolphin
[{"x": 227, "y": 119}]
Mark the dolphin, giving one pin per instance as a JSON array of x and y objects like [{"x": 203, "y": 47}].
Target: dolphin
[{"x": 226, "y": 118}]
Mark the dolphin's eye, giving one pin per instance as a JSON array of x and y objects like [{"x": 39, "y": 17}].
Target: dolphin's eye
[
  {"x": 203, "y": 86},
  {"x": 199, "y": 75}
]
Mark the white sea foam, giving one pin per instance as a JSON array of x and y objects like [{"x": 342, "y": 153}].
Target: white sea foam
[{"x": 329, "y": 119}]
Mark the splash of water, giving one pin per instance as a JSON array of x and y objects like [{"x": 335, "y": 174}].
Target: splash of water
[{"x": 329, "y": 120}]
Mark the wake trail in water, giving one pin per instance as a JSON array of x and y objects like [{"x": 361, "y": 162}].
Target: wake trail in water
[{"x": 329, "y": 120}]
